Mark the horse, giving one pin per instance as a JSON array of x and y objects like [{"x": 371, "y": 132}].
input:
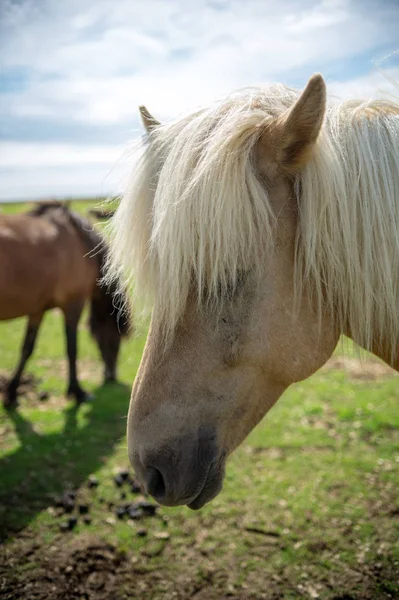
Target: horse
[
  {"x": 52, "y": 257},
  {"x": 261, "y": 227}
]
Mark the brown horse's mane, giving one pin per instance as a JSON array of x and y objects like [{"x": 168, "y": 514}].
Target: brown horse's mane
[
  {"x": 109, "y": 301},
  {"x": 55, "y": 210},
  {"x": 44, "y": 207}
]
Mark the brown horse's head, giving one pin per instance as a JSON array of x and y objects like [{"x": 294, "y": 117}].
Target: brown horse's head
[{"x": 245, "y": 259}]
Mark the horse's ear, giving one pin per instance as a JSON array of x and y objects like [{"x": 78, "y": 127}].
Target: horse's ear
[
  {"x": 289, "y": 139},
  {"x": 148, "y": 120}
]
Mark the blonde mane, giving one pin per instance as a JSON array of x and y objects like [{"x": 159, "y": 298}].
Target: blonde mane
[{"x": 196, "y": 212}]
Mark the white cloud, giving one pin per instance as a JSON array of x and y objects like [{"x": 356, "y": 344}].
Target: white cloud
[
  {"x": 71, "y": 173},
  {"x": 102, "y": 77},
  {"x": 92, "y": 63},
  {"x": 17, "y": 154},
  {"x": 61, "y": 169},
  {"x": 77, "y": 181},
  {"x": 377, "y": 84}
]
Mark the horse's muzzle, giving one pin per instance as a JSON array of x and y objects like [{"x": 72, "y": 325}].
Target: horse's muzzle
[{"x": 190, "y": 471}]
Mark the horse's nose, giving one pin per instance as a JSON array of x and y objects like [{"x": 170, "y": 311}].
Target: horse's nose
[
  {"x": 155, "y": 484},
  {"x": 176, "y": 474}
]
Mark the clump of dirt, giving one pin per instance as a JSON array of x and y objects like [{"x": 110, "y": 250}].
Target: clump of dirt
[
  {"x": 74, "y": 506},
  {"x": 28, "y": 388},
  {"x": 88, "y": 568},
  {"x": 27, "y": 384},
  {"x": 85, "y": 569}
]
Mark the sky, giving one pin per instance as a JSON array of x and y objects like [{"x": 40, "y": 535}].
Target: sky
[{"x": 73, "y": 72}]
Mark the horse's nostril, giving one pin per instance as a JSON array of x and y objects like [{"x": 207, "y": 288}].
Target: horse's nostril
[{"x": 155, "y": 483}]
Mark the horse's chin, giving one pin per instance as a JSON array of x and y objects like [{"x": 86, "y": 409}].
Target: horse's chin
[{"x": 213, "y": 485}]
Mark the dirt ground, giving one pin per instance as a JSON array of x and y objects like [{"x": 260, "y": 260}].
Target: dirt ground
[
  {"x": 82, "y": 566},
  {"x": 86, "y": 568}
]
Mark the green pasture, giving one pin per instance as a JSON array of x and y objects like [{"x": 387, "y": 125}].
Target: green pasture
[{"x": 309, "y": 509}]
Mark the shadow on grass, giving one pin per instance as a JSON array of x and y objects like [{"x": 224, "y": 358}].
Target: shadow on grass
[{"x": 44, "y": 466}]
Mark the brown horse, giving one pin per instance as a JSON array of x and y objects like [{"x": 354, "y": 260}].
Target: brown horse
[
  {"x": 263, "y": 227},
  {"x": 51, "y": 257}
]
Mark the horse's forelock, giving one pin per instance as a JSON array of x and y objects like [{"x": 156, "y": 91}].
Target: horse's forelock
[{"x": 196, "y": 210}]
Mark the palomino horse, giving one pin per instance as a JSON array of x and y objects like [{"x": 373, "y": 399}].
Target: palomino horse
[
  {"x": 264, "y": 227},
  {"x": 52, "y": 257}
]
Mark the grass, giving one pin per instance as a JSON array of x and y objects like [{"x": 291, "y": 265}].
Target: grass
[{"x": 309, "y": 507}]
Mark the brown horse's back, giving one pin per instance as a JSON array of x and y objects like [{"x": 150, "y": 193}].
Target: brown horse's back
[{"x": 42, "y": 264}]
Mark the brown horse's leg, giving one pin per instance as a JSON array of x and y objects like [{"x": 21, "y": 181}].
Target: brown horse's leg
[
  {"x": 72, "y": 314},
  {"x": 26, "y": 351}
]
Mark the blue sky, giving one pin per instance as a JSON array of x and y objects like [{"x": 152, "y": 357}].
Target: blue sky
[{"x": 74, "y": 72}]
